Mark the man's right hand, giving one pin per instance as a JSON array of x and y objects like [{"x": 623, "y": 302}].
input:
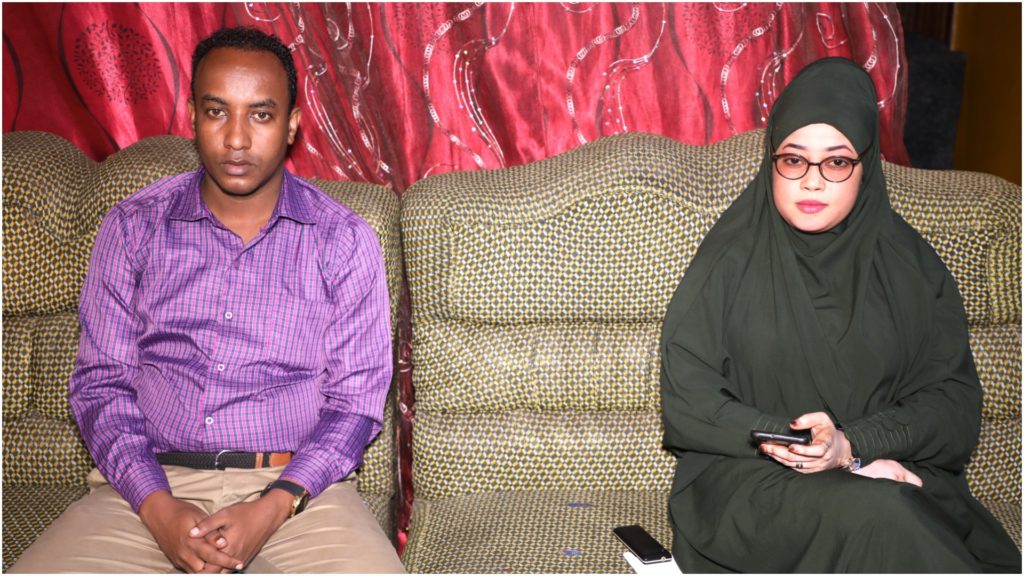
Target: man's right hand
[{"x": 169, "y": 520}]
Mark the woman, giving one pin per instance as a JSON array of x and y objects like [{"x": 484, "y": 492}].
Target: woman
[{"x": 812, "y": 306}]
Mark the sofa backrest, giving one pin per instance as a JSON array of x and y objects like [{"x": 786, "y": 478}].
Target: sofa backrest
[
  {"x": 538, "y": 293},
  {"x": 54, "y": 200},
  {"x": 537, "y": 299}
]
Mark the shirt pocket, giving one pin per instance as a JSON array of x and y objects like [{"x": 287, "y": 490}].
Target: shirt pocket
[{"x": 298, "y": 331}]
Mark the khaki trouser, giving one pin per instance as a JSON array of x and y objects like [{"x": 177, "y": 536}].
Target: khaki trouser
[{"x": 100, "y": 533}]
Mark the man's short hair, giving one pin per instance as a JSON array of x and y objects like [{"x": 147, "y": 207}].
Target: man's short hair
[{"x": 251, "y": 40}]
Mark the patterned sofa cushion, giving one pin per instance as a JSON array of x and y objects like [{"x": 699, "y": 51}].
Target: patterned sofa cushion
[
  {"x": 537, "y": 298},
  {"x": 55, "y": 199}
]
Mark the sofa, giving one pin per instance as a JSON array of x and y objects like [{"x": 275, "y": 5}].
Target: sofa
[
  {"x": 54, "y": 200},
  {"x": 537, "y": 295}
]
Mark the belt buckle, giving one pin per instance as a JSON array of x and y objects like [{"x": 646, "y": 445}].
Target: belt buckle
[{"x": 216, "y": 460}]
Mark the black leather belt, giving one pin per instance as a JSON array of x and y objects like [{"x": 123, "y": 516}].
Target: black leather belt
[{"x": 224, "y": 459}]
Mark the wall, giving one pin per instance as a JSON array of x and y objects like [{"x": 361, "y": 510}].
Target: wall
[{"x": 989, "y": 132}]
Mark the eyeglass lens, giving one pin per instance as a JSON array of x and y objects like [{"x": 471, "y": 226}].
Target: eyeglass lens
[{"x": 833, "y": 169}]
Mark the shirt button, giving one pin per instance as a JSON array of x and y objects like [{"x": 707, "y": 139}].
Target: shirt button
[
  {"x": 221, "y": 367},
  {"x": 209, "y": 420},
  {"x": 229, "y": 315}
]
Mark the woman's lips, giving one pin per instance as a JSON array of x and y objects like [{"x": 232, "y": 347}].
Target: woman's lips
[{"x": 810, "y": 206}]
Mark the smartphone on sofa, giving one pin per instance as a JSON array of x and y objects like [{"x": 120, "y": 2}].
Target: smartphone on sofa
[{"x": 642, "y": 544}]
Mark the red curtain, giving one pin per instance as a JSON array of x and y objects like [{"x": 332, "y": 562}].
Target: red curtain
[{"x": 395, "y": 92}]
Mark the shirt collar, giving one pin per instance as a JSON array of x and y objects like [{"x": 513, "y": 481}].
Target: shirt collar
[
  {"x": 189, "y": 205},
  {"x": 292, "y": 204}
]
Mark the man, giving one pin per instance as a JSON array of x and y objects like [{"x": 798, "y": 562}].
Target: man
[{"x": 235, "y": 354}]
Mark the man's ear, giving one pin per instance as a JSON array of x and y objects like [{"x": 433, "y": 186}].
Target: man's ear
[
  {"x": 192, "y": 115},
  {"x": 293, "y": 124}
]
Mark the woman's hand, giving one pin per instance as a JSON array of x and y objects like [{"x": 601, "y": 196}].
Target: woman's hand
[
  {"x": 890, "y": 470},
  {"x": 828, "y": 449}
]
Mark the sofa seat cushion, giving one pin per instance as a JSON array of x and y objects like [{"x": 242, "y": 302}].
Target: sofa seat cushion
[
  {"x": 544, "y": 531},
  {"x": 28, "y": 509}
]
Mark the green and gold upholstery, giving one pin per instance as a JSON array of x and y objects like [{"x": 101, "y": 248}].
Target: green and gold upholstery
[
  {"x": 54, "y": 200},
  {"x": 538, "y": 293}
]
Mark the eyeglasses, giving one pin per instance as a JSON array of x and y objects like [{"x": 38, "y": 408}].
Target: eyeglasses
[{"x": 834, "y": 168}]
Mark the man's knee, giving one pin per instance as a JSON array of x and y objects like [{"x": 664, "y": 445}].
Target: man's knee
[
  {"x": 341, "y": 530},
  {"x": 97, "y": 533}
]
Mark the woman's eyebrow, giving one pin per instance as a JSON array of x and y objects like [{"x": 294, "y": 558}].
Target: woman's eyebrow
[{"x": 838, "y": 147}]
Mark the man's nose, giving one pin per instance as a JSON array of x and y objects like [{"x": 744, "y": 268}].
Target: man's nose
[{"x": 237, "y": 135}]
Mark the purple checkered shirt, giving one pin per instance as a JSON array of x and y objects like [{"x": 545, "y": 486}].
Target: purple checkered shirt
[{"x": 193, "y": 342}]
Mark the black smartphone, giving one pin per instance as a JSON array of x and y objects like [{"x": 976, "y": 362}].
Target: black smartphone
[
  {"x": 642, "y": 544},
  {"x": 794, "y": 437}
]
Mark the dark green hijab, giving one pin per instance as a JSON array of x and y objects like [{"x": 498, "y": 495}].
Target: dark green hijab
[{"x": 842, "y": 321}]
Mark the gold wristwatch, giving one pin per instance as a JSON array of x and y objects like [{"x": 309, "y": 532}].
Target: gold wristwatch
[{"x": 299, "y": 494}]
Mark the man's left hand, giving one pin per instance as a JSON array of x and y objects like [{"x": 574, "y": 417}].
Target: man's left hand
[{"x": 247, "y": 525}]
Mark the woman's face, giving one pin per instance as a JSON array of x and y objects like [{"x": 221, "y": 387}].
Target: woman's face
[{"x": 812, "y": 203}]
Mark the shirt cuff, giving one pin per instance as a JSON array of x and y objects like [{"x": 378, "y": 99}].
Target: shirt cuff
[
  {"x": 315, "y": 475},
  {"x": 139, "y": 481},
  {"x": 317, "y": 468}
]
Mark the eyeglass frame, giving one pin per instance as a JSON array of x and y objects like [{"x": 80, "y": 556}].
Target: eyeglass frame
[{"x": 853, "y": 162}]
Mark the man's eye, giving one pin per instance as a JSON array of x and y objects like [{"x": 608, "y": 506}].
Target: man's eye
[
  {"x": 214, "y": 112},
  {"x": 262, "y": 116}
]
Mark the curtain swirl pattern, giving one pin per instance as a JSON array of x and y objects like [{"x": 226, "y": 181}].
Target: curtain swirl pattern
[{"x": 392, "y": 93}]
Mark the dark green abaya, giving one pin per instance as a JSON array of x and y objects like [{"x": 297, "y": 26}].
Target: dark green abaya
[{"x": 863, "y": 322}]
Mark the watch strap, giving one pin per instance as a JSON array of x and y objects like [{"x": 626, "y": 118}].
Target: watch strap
[
  {"x": 286, "y": 485},
  {"x": 299, "y": 494}
]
